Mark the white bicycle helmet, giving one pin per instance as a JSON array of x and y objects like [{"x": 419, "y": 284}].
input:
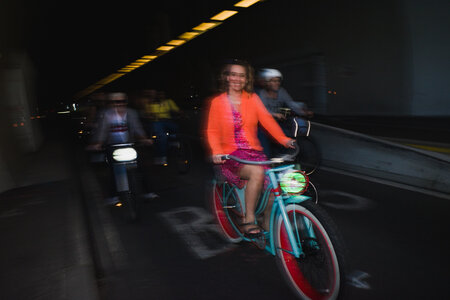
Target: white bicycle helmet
[{"x": 270, "y": 73}]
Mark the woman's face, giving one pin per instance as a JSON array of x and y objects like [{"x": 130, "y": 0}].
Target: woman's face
[{"x": 236, "y": 78}]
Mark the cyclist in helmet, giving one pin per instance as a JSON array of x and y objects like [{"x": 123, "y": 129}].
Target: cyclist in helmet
[{"x": 276, "y": 97}]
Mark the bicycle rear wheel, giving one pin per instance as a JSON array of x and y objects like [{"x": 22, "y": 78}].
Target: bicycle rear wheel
[
  {"x": 309, "y": 156},
  {"x": 320, "y": 272},
  {"x": 221, "y": 216}
]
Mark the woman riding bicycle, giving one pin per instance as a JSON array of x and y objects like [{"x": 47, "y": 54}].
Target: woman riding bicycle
[{"x": 232, "y": 124}]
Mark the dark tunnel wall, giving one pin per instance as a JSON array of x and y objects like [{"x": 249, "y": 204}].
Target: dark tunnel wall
[{"x": 341, "y": 57}]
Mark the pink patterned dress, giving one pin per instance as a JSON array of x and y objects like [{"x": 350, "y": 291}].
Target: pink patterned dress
[{"x": 231, "y": 168}]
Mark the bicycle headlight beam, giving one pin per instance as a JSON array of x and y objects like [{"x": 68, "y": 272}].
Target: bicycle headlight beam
[{"x": 124, "y": 154}]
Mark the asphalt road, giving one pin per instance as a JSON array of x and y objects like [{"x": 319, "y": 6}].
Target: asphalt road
[{"x": 396, "y": 240}]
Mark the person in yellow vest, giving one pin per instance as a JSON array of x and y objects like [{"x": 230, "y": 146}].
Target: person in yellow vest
[
  {"x": 145, "y": 101},
  {"x": 162, "y": 111}
]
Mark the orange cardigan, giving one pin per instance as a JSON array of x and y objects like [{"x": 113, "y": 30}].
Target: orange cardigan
[{"x": 220, "y": 127}]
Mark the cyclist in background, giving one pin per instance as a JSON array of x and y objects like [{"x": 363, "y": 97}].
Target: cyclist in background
[
  {"x": 119, "y": 124},
  {"x": 145, "y": 101},
  {"x": 275, "y": 98},
  {"x": 162, "y": 110}
]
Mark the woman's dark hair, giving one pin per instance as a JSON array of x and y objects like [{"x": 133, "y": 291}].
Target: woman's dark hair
[{"x": 249, "y": 72}]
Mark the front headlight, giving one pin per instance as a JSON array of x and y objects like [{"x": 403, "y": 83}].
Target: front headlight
[
  {"x": 124, "y": 154},
  {"x": 294, "y": 182}
]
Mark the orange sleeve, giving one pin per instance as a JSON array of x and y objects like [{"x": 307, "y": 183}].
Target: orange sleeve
[
  {"x": 268, "y": 122},
  {"x": 213, "y": 128}
]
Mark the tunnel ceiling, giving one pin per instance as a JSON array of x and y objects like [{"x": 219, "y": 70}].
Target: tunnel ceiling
[{"x": 74, "y": 44}]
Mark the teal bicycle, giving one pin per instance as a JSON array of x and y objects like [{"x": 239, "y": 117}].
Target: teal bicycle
[{"x": 302, "y": 237}]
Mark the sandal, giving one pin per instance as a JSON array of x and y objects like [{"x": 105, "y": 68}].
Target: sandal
[{"x": 250, "y": 230}]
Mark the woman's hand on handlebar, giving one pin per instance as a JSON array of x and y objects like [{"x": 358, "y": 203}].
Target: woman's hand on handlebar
[
  {"x": 291, "y": 144},
  {"x": 217, "y": 159}
]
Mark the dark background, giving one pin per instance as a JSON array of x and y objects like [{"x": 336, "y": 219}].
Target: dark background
[
  {"x": 74, "y": 44},
  {"x": 343, "y": 57}
]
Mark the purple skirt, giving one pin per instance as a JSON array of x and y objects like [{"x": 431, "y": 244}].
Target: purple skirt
[{"x": 231, "y": 168}]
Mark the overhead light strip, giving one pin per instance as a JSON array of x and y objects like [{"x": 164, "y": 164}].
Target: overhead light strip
[
  {"x": 189, "y": 35},
  {"x": 206, "y": 26},
  {"x": 224, "y": 15},
  {"x": 163, "y": 49},
  {"x": 176, "y": 42},
  {"x": 149, "y": 57},
  {"x": 246, "y": 3}
]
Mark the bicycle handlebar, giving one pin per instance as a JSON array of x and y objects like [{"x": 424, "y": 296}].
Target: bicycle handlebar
[
  {"x": 275, "y": 160},
  {"x": 289, "y": 112}
]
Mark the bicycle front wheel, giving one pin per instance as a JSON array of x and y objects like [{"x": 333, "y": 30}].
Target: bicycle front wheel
[{"x": 319, "y": 272}]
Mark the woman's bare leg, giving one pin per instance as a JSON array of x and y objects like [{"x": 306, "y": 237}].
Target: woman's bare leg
[
  {"x": 267, "y": 212},
  {"x": 255, "y": 181}
]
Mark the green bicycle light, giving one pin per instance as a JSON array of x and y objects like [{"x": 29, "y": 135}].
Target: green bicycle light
[{"x": 294, "y": 182}]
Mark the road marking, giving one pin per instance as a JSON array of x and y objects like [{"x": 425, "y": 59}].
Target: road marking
[
  {"x": 357, "y": 279},
  {"x": 197, "y": 229},
  {"x": 352, "y": 202}
]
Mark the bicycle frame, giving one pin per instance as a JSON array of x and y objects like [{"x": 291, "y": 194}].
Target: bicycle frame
[
  {"x": 301, "y": 236},
  {"x": 278, "y": 208}
]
